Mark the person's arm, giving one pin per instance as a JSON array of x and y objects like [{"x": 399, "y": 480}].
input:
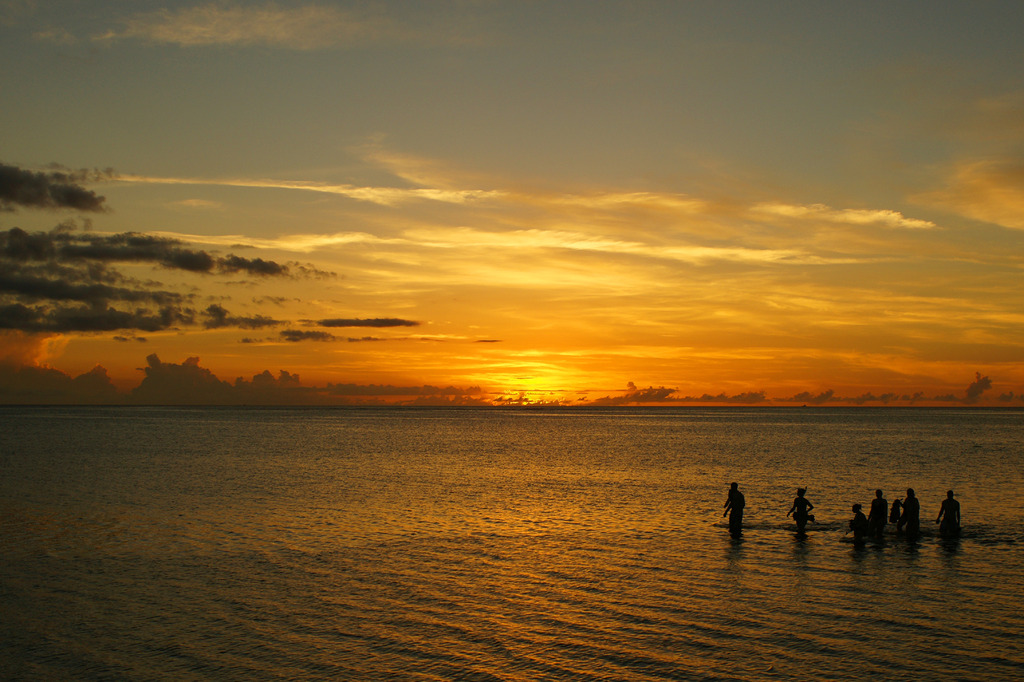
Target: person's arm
[
  {"x": 809, "y": 506},
  {"x": 791, "y": 508},
  {"x": 942, "y": 510}
]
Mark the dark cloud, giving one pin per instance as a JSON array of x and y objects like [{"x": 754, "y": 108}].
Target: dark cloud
[
  {"x": 20, "y": 317},
  {"x": 283, "y": 389},
  {"x": 218, "y": 317},
  {"x": 379, "y": 322},
  {"x": 31, "y": 284},
  {"x": 637, "y": 396},
  {"x": 748, "y": 398},
  {"x": 188, "y": 383},
  {"x": 296, "y": 335},
  {"x": 18, "y": 245},
  {"x": 253, "y": 266},
  {"x": 28, "y": 385},
  {"x": 812, "y": 399},
  {"x": 443, "y": 401},
  {"x": 309, "y": 272},
  {"x": 91, "y": 318},
  {"x": 51, "y": 190},
  {"x": 135, "y": 248},
  {"x": 977, "y": 387},
  {"x": 276, "y": 300},
  {"x": 68, "y": 246},
  {"x": 972, "y": 395},
  {"x": 110, "y": 319},
  {"x": 267, "y": 380},
  {"x": 663, "y": 395},
  {"x": 44, "y": 275}
]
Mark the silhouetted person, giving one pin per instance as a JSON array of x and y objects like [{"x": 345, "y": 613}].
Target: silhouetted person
[
  {"x": 897, "y": 510},
  {"x": 801, "y": 510},
  {"x": 949, "y": 516},
  {"x": 878, "y": 515},
  {"x": 858, "y": 524},
  {"x": 910, "y": 519},
  {"x": 734, "y": 508}
]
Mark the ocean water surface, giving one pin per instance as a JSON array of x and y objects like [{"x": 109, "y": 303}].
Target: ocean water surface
[{"x": 436, "y": 544}]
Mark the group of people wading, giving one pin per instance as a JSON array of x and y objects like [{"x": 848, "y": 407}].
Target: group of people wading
[{"x": 906, "y": 514}]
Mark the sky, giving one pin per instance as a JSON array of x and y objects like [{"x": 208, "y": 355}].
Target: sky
[{"x": 488, "y": 202}]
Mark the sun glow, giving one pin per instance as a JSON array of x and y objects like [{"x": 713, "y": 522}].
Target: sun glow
[{"x": 649, "y": 225}]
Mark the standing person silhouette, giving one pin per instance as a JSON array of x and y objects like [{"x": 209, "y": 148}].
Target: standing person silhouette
[
  {"x": 802, "y": 506},
  {"x": 878, "y": 514},
  {"x": 858, "y": 524},
  {"x": 911, "y": 517},
  {"x": 734, "y": 505},
  {"x": 949, "y": 516},
  {"x": 897, "y": 510}
]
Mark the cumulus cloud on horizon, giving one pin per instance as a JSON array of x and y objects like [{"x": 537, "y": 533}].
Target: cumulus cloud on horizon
[{"x": 189, "y": 383}]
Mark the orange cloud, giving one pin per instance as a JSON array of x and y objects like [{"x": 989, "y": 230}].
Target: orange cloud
[{"x": 19, "y": 348}]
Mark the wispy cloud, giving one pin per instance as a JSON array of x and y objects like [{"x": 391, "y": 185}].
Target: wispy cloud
[
  {"x": 296, "y": 243},
  {"x": 616, "y": 200},
  {"x": 303, "y": 27},
  {"x": 850, "y": 216},
  {"x": 199, "y": 204},
  {"x": 56, "y": 36},
  {"x": 386, "y": 196},
  {"x": 456, "y": 238},
  {"x": 991, "y": 191},
  {"x": 441, "y": 237}
]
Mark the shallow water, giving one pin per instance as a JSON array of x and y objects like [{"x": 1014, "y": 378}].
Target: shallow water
[{"x": 149, "y": 543}]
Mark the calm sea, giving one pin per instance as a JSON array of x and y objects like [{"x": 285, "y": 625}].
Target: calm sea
[{"x": 160, "y": 543}]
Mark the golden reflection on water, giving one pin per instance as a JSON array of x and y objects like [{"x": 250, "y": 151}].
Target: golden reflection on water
[{"x": 368, "y": 545}]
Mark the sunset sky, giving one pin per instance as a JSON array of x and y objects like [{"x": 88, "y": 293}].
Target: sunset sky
[{"x": 505, "y": 202}]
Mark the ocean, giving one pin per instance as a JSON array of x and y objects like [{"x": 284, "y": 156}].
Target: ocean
[{"x": 503, "y": 544}]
